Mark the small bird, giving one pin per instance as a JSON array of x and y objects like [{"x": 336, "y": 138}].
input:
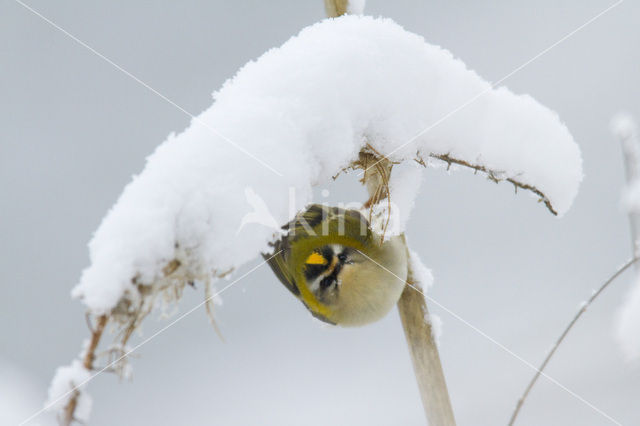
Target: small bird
[{"x": 333, "y": 262}]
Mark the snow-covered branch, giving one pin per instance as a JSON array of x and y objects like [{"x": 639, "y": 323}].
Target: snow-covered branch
[
  {"x": 291, "y": 120},
  {"x": 306, "y": 109},
  {"x": 66, "y": 393}
]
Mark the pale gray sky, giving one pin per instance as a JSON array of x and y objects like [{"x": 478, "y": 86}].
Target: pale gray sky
[{"x": 74, "y": 130}]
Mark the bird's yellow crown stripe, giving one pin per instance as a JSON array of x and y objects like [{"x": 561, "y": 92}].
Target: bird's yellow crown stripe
[{"x": 316, "y": 259}]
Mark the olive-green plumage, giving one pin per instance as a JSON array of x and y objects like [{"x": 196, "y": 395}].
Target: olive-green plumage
[{"x": 334, "y": 263}]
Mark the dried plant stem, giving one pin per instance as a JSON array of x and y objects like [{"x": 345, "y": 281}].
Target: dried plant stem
[
  {"x": 424, "y": 355},
  {"x": 568, "y": 328},
  {"x": 335, "y": 8},
  {"x": 87, "y": 362},
  {"x": 412, "y": 305},
  {"x": 413, "y": 311},
  {"x": 494, "y": 175}
]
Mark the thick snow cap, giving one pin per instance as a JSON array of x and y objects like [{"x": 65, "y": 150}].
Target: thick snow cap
[{"x": 294, "y": 118}]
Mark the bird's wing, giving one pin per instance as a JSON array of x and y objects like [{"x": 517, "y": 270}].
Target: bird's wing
[
  {"x": 278, "y": 263},
  {"x": 349, "y": 223}
]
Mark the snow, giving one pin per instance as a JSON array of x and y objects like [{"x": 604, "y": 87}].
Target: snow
[
  {"x": 404, "y": 186},
  {"x": 421, "y": 274},
  {"x": 436, "y": 326},
  {"x": 356, "y": 7},
  {"x": 625, "y": 130},
  {"x": 66, "y": 381},
  {"x": 627, "y": 329},
  {"x": 623, "y": 126},
  {"x": 628, "y": 323},
  {"x": 305, "y": 110},
  {"x": 630, "y": 199}
]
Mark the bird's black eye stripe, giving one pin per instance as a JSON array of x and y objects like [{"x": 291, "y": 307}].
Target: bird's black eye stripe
[
  {"x": 312, "y": 271},
  {"x": 344, "y": 256},
  {"x": 326, "y": 282},
  {"x": 327, "y": 253}
]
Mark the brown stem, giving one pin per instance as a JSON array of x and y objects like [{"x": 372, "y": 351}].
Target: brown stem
[
  {"x": 412, "y": 308},
  {"x": 87, "y": 362},
  {"x": 424, "y": 355},
  {"x": 412, "y": 305},
  {"x": 335, "y": 8},
  {"x": 494, "y": 176},
  {"x": 568, "y": 328}
]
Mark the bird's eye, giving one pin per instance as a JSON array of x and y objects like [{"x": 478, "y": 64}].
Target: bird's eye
[{"x": 344, "y": 259}]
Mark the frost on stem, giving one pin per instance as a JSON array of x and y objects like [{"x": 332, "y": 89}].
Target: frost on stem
[
  {"x": 67, "y": 387},
  {"x": 423, "y": 278},
  {"x": 293, "y": 119}
]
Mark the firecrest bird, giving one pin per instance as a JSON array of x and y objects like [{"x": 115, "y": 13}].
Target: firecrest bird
[{"x": 338, "y": 267}]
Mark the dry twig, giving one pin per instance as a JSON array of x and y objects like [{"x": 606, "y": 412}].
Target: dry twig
[
  {"x": 412, "y": 308},
  {"x": 568, "y": 328},
  {"x": 335, "y": 8},
  {"x": 492, "y": 175},
  {"x": 87, "y": 362},
  {"x": 130, "y": 312},
  {"x": 424, "y": 355}
]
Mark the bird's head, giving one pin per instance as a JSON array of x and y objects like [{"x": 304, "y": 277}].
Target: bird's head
[{"x": 350, "y": 287}]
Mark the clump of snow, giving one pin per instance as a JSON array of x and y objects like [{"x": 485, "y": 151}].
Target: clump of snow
[
  {"x": 436, "y": 326},
  {"x": 356, "y": 7},
  {"x": 67, "y": 381},
  {"x": 404, "y": 187},
  {"x": 628, "y": 323},
  {"x": 421, "y": 274},
  {"x": 390, "y": 217},
  {"x": 305, "y": 110},
  {"x": 623, "y": 126},
  {"x": 630, "y": 199}
]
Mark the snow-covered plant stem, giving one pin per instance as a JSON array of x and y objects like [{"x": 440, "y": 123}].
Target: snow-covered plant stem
[
  {"x": 412, "y": 305},
  {"x": 68, "y": 415},
  {"x": 623, "y": 130}
]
